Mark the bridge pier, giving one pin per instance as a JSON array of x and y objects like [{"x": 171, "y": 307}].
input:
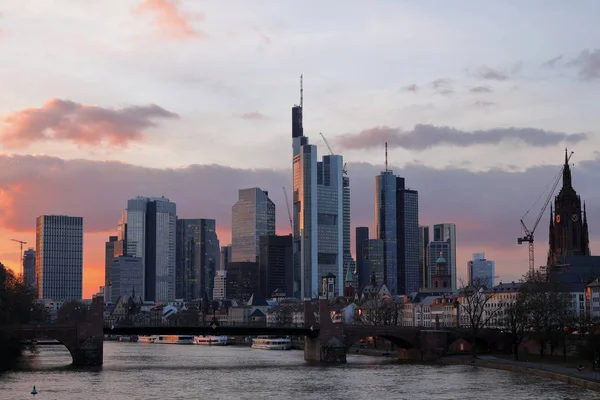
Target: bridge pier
[
  {"x": 332, "y": 351},
  {"x": 88, "y": 347}
]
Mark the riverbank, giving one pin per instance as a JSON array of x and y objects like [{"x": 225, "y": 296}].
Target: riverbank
[{"x": 587, "y": 379}]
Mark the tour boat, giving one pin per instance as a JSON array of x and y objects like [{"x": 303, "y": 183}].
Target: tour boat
[
  {"x": 211, "y": 340},
  {"x": 167, "y": 339},
  {"x": 272, "y": 343},
  {"x": 146, "y": 339}
]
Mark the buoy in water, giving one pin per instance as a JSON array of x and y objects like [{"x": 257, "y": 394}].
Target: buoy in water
[{"x": 33, "y": 391}]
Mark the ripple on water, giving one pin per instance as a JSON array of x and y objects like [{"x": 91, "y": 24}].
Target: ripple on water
[{"x": 143, "y": 371}]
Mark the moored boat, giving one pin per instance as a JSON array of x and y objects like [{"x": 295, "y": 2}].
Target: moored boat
[
  {"x": 272, "y": 343},
  {"x": 211, "y": 340},
  {"x": 167, "y": 339}
]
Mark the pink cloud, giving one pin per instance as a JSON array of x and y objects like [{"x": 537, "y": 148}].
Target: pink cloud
[
  {"x": 65, "y": 120},
  {"x": 254, "y": 115},
  {"x": 169, "y": 20}
]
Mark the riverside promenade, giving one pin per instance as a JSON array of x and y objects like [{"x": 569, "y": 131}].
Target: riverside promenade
[{"x": 587, "y": 378}]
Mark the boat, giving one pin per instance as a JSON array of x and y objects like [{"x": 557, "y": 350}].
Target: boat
[
  {"x": 167, "y": 339},
  {"x": 146, "y": 339},
  {"x": 211, "y": 340},
  {"x": 272, "y": 343}
]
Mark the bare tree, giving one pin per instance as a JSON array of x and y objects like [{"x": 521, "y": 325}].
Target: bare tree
[
  {"x": 515, "y": 320},
  {"x": 476, "y": 309},
  {"x": 380, "y": 311}
]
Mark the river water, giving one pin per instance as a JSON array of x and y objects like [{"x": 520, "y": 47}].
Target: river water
[{"x": 151, "y": 371}]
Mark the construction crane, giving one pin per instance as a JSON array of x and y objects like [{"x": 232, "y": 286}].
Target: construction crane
[
  {"x": 344, "y": 170},
  {"x": 528, "y": 237},
  {"x": 21, "y": 243},
  {"x": 287, "y": 204}
]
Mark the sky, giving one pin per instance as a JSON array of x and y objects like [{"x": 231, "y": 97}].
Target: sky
[{"x": 105, "y": 101}]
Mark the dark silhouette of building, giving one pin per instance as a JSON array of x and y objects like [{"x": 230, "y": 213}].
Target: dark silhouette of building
[
  {"x": 109, "y": 255},
  {"x": 242, "y": 280},
  {"x": 423, "y": 259},
  {"x": 29, "y": 267},
  {"x": 349, "y": 284},
  {"x": 568, "y": 222},
  {"x": 275, "y": 262},
  {"x": 197, "y": 249},
  {"x": 362, "y": 234}
]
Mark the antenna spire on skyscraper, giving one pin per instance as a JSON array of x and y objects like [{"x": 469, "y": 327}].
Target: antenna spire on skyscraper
[
  {"x": 386, "y": 161},
  {"x": 301, "y": 92}
]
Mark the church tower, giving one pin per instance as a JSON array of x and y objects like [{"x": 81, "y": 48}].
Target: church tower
[
  {"x": 568, "y": 224},
  {"x": 441, "y": 280}
]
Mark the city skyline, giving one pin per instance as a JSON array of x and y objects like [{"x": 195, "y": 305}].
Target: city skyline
[{"x": 196, "y": 135}]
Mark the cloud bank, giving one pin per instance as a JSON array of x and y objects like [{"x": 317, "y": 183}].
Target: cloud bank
[
  {"x": 66, "y": 120},
  {"x": 423, "y": 137},
  {"x": 168, "y": 19}
]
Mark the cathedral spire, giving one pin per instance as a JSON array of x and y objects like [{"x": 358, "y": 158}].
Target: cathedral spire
[{"x": 566, "y": 171}]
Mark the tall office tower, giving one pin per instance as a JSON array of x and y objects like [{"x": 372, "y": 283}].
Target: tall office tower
[
  {"x": 275, "y": 267},
  {"x": 435, "y": 250},
  {"x": 120, "y": 246},
  {"x": 59, "y": 257},
  {"x": 318, "y": 213},
  {"x": 349, "y": 263},
  {"x": 373, "y": 261},
  {"x": 447, "y": 233},
  {"x": 253, "y": 216},
  {"x": 362, "y": 234},
  {"x": 225, "y": 257},
  {"x": 127, "y": 277},
  {"x": 29, "y": 267},
  {"x": 481, "y": 271},
  {"x": 423, "y": 243},
  {"x": 397, "y": 224},
  {"x": 109, "y": 255},
  {"x": 151, "y": 235},
  {"x": 197, "y": 258}
]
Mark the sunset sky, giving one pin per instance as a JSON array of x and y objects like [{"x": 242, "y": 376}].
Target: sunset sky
[{"x": 102, "y": 101}]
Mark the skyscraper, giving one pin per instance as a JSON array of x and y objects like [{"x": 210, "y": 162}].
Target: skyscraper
[
  {"x": 447, "y": 233},
  {"x": 481, "y": 271},
  {"x": 423, "y": 244},
  {"x": 397, "y": 225},
  {"x": 109, "y": 255},
  {"x": 349, "y": 263},
  {"x": 568, "y": 235},
  {"x": 59, "y": 257},
  {"x": 29, "y": 267},
  {"x": 436, "y": 250},
  {"x": 120, "y": 246},
  {"x": 151, "y": 232},
  {"x": 373, "y": 261},
  {"x": 225, "y": 257},
  {"x": 318, "y": 213},
  {"x": 197, "y": 258},
  {"x": 275, "y": 265},
  {"x": 362, "y": 234},
  {"x": 253, "y": 216}
]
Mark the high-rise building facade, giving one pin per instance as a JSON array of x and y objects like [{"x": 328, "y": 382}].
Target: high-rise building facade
[
  {"x": 29, "y": 267},
  {"x": 225, "y": 257},
  {"x": 568, "y": 233},
  {"x": 59, "y": 257},
  {"x": 253, "y": 216},
  {"x": 423, "y": 263},
  {"x": 447, "y": 233},
  {"x": 109, "y": 255},
  {"x": 275, "y": 265},
  {"x": 120, "y": 246},
  {"x": 197, "y": 258},
  {"x": 318, "y": 214},
  {"x": 481, "y": 271},
  {"x": 397, "y": 225},
  {"x": 349, "y": 263},
  {"x": 151, "y": 233},
  {"x": 127, "y": 277},
  {"x": 374, "y": 261},
  {"x": 361, "y": 235}
]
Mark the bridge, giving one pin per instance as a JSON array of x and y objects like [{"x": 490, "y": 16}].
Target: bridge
[{"x": 324, "y": 341}]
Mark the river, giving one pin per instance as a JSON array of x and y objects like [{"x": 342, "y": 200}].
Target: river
[{"x": 151, "y": 371}]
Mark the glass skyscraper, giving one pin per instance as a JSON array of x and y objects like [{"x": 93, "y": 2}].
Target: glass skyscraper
[
  {"x": 197, "y": 258},
  {"x": 481, "y": 271},
  {"x": 447, "y": 233},
  {"x": 397, "y": 225},
  {"x": 151, "y": 228},
  {"x": 253, "y": 216},
  {"x": 59, "y": 257}
]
